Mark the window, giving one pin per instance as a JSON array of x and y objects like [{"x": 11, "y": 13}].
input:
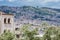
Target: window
[
  {"x": 17, "y": 35},
  {"x": 16, "y": 28},
  {"x": 4, "y": 31},
  {"x": 5, "y": 20},
  {"x": 9, "y": 20}
]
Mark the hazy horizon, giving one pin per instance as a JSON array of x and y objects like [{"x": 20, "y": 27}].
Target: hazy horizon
[{"x": 40, "y": 3}]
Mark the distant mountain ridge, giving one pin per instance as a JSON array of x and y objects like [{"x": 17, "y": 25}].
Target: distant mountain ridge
[
  {"x": 52, "y": 9},
  {"x": 33, "y": 13}
]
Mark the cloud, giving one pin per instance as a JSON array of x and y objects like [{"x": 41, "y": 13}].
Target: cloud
[
  {"x": 29, "y": 0},
  {"x": 26, "y": 0},
  {"x": 47, "y": 1},
  {"x": 40, "y": 1},
  {"x": 11, "y": 0},
  {"x": 51, "y": 0}
]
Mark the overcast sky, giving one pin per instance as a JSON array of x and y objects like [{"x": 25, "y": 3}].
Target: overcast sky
[{"x": 40, "y": 3}]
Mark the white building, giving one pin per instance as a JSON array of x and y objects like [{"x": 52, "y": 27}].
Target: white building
[{"x": 6, "y": 22}]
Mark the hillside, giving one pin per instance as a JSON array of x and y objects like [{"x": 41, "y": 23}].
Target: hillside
[{"x": 34, "y": 15}]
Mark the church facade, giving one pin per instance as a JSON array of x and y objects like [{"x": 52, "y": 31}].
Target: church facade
[{"x": 6, "y": 22}]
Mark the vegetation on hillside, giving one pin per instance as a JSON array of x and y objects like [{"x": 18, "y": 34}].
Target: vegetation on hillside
[{"x": 51, "y": 33}]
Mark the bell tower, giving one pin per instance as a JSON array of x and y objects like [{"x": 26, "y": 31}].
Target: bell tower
[{"x": 7, "y": 22}]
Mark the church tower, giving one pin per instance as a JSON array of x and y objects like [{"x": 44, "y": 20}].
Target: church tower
[{"x": 6, "y": 22}]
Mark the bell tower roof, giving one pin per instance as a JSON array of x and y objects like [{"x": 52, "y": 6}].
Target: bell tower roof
[{"x": 2, "y": 13}]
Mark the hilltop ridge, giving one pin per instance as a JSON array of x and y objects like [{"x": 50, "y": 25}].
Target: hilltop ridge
[{"x": 27, "y": 14}]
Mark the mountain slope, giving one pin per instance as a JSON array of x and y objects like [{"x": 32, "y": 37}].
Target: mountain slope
[{"x": 29, "y": 13}]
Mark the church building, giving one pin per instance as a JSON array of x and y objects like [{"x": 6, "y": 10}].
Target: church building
[{"x": 6, "y": 22}]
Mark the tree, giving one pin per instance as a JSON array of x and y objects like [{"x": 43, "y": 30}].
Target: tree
[
  {"x": 29, "y": 34},
  {"x": 52, "y": 34},
  {"x": 57, "y": 37},
  {"x": 47, "y": 36},
  {"x": 7, "y": 35}
]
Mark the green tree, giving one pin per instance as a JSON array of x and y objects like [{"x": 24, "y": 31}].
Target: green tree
[
  {"x": 7, "y": 36},
  {"x": 29, "y": 34},
  {"x": 53, "y": 33},
  {"x": 47, "y": 36},
  {"x": 57, "y": 37}
]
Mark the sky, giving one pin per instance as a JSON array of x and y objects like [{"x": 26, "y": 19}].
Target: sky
[{"x": 40, "y": 3}]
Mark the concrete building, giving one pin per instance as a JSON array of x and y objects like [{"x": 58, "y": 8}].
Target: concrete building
[{"x": 6, "y": 22}]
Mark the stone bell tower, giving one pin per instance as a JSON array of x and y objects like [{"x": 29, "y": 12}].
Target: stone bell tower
[{"x": 6, "y": 22}]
